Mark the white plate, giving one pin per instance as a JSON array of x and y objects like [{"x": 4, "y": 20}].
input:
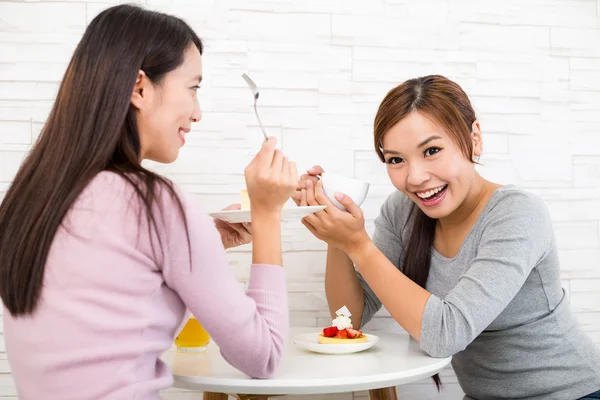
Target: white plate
[
  {"x": 292, "y": 213},
  {"x": 310, "y": 341}
]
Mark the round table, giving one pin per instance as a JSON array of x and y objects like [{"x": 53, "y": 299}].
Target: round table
[{"x": 395, "y": 360}]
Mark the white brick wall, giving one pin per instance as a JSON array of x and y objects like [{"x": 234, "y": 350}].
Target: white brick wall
[{"x": 531, "y": 68}]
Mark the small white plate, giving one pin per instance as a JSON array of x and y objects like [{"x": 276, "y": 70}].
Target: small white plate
[
  {"x": 310, "y": 341},
  {"x": 292, "y": 213}
]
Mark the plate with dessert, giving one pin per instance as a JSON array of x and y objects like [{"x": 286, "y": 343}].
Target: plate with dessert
[
  {"x": 339, "y": 338},
  {"x": 243, "y": 215}
]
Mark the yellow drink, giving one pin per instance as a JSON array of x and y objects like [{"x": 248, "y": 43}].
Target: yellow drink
[{"x": 193, "y": 337}]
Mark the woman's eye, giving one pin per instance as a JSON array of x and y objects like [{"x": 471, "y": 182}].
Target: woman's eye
[
  {"x": 195, "y": 88},
  {"x": 432, "y": 150},
  {"x": 394, "y": 160}
]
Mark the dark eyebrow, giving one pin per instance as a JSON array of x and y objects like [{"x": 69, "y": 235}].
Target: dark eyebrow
[
  {"x": 198, "y": 78},
  {"x": 423, "y": 143},
  {"x": 390, "y": 152},
  {"x": 429, "y": 139}
]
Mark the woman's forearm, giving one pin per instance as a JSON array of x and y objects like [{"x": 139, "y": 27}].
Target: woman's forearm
[
  {"x": 403, "y": 298},
  {"x": 342, "y": 287},
  {"x": 266, "y": 238}
]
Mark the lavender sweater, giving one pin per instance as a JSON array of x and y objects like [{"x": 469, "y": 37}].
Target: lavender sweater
[{"x": 111, "y": 305}]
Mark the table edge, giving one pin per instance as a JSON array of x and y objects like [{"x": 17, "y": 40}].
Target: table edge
[{"x": 315, "y": 386}]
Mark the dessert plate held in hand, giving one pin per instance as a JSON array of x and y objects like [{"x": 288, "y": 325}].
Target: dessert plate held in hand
[
  {"x": 310, "y": 341},
  {"x": 292, "y": 213}
]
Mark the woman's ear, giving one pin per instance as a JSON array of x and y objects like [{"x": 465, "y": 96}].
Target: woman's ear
[
  {"x": 140, "y": 90},
  {"x": 477, "y": 139}
]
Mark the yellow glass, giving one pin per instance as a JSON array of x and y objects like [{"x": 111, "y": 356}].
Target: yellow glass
[{"x": 193, "y": 338}]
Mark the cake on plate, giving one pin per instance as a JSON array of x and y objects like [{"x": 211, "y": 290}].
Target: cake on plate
[
  {"x": 341, "y": 330},
  {"x": 245, "y": 200}
]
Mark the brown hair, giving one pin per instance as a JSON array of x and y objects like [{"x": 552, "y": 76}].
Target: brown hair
[
  {"x": 91, "y": 128},
  {"x": 445, "y": 103}
]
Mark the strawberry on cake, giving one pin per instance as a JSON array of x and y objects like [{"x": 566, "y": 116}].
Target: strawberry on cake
[{"x": 341, "y": 331}]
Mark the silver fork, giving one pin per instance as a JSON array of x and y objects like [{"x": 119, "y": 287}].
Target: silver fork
[{"x": 254, "y": 89}]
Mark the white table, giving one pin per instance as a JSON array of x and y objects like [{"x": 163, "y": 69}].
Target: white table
[{"x": 394, "y": 360}]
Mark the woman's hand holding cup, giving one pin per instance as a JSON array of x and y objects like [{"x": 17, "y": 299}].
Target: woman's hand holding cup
[{"x": 311, "y": 175}]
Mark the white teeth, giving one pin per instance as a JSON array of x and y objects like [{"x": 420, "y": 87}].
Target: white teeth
[{"x": 430, "y": 193}]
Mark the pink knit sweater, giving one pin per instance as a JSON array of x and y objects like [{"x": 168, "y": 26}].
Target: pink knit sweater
[{"x": 113, "y": 299}]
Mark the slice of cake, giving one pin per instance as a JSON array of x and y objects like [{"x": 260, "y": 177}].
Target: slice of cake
[
  {"x": 245, "y": 200},
  {"x": 341, "y": 331},
  {"x": 332, "y": 335}
]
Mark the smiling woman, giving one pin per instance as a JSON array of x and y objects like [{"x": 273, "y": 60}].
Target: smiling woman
[
  {"x": 165, "y": 111},
  {"x": 438, "y": 116},
  {"x": 467, "y": 267},
  {"x": 104, "y": 256}
]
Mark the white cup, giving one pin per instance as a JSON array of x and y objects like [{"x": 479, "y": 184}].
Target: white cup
[{"x": 356, "y": 189}]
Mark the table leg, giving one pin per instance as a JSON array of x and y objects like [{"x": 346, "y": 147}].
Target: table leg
[
  {"x": 214, "y": 396},
  {"x": 383, "y": 394},
  {"x": 253, "y": 396}
]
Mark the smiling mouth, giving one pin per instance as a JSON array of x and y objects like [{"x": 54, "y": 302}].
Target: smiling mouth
[{"x": 432, "y": 194}]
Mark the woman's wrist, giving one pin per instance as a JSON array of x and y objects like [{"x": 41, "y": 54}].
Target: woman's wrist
[
  {"x": 265, "y": 215},
  {"x": 266, "y": 234},
  {"x": 359, "y": 249}
]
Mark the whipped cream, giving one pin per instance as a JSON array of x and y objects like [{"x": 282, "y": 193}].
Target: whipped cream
[{"x": 342, "y": 320}]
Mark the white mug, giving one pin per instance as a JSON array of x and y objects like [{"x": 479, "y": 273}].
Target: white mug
[{"x": 333, "y": 183}]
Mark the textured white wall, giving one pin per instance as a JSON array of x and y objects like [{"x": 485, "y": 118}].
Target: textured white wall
[{"x": 531, "y": 68}]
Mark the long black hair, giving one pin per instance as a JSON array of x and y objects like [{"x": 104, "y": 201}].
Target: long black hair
[{"x": 91, "y": 128}]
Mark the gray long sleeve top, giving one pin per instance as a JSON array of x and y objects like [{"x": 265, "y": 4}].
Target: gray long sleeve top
[{"x": 498, "y": 306}]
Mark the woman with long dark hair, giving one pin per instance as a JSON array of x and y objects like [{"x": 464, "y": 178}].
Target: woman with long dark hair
[
  {"x": 100, "y": 257},
  {"x": 467, "y": 267}
]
